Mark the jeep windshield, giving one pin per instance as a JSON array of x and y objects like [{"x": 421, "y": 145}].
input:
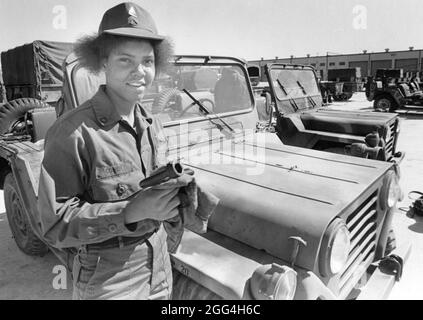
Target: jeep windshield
[
  {"x": 294, "y": 87},
  {"x": 219, "y": 84},
  {"x": 221, "y": 88}
]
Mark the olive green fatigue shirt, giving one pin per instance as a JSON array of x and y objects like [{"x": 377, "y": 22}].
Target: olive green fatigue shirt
[{"x": 93, "y": 163}]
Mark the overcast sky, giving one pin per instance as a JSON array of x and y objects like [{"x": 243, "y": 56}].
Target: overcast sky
[{"x": 248, "y": 29}]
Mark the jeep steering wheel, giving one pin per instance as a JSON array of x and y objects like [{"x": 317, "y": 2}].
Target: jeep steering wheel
[{"x": 204, "y": 100}]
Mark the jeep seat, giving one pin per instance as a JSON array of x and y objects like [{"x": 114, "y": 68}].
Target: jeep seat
[
  {"x": 42, "y": 120},
  {"x": 405, "y": 90},
  {"x": 415, "y": 88}
]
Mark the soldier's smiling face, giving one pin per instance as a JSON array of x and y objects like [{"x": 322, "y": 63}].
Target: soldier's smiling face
[{"x": 130, "y": 69}]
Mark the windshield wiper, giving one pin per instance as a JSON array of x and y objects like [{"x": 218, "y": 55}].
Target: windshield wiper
[
  {"x": 291, "y": 100},
  {"x": 293, "y": 104},
  {"x": 310, "y": 99},
  {"x": 282, "y": 86},
  {"x": 206, "y": 113},
  {"x": 302, "y": 87}
]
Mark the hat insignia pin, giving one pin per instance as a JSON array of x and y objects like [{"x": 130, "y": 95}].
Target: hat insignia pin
[
  {"x": 132, "y": 20},
  {"x": 132, "y": 12}
]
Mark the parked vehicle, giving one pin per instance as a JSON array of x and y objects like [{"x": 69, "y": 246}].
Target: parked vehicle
[
  {"x": 291, "y": 222},
  {"x": 300, "y": 119},
  {"x": 341, "y": 84},
  {"x": 34, "y": 70},
  {"x": 390, "y": 91}
]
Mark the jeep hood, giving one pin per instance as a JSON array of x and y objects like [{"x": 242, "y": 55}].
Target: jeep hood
[
  {"x": 271, "y": 192},
  {"x": 349, "y": 122}
]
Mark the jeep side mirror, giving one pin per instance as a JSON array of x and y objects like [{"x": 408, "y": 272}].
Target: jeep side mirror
[{"x": 254, "y": 74}]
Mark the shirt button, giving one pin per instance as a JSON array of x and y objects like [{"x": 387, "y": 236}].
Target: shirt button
[
  {"x": 92, "y": 232},
  {"x": 121, "y": 189},
  {"x": 112, "y": 228},
  {"x": 103, "y": 120}
]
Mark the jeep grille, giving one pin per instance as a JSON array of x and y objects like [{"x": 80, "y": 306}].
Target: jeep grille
[
  {"x": 389, "y": 149},
  {"x": 362, "y": 227}
]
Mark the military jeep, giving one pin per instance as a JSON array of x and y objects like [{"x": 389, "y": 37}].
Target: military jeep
[
  {"x": 390, "y": 91},
  {"x": 300, "y": 119},
  {"x": 292, "y": 223}
]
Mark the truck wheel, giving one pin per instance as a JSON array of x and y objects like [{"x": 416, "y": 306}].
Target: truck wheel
[
  {"x": 384, "y": 104},
  {"x": 14, "y": 110},
  {"x": 163, "y": 99},
  {"x": 25, "y": 238}
]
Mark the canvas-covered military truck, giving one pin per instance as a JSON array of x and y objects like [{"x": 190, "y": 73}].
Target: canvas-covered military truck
[
  {"x": 389, "y": 91},
  {"x": 34, "y": 70},
  {"x": 33, "y": 81},
  {"x": 300, "y": 119},
  {"x": 343, "y": 83},
  {"x": 291, "y": 222}
]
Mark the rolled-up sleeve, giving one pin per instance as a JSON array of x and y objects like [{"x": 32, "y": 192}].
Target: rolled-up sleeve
[{"x": 67, "y": 218}]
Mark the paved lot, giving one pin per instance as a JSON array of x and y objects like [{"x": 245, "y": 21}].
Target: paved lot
[
  {"x": 23, "y": 277},
  {"x": 407, "y": 228}
]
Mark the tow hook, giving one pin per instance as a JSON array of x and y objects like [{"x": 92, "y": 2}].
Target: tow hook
[
  {"x": 298, "y": 241},
  {"x": 392, "y": 264}
]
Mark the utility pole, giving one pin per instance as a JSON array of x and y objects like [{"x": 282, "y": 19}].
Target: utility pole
[
  {"x": 327, "y": 65},
  {"x": 369, "y": 68}
]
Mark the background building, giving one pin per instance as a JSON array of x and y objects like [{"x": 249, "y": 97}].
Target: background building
[{"x": 409, "y": 60}]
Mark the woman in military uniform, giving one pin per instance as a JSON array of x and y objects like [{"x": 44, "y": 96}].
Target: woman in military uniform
[{"x": 95, "y": 157}]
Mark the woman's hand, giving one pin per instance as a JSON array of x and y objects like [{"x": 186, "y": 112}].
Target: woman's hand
[{"x": 157, "y": 204}]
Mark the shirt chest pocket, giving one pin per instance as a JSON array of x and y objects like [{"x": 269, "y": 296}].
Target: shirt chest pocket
[{"x": 116, "y": 182}]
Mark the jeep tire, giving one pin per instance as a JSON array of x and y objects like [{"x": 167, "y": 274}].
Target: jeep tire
[
  {"x": 162, "y": 101},
  {"x": 385, "y": 104},
  {"x": 22, "y": 232},
  {"x": 14, "y": 110}
]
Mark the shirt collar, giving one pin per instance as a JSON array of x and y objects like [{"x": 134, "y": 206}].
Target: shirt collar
[
  {"x": 143, "y": 115},
  {"x": 106, "y": 114}
]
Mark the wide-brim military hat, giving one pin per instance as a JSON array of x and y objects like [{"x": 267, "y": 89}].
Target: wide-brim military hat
[{"x": 129, "y": 19}]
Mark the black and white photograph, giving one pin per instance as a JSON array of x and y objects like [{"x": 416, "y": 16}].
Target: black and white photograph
[{"x": 211, "y": 151}]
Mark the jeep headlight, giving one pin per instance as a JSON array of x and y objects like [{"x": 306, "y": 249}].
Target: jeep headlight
[
  {"x": 391, "y": 191},
  {"x": 339, "y": 250},
  {"x": 335, "y": 248},
  {"x": 273, "y": 282}
]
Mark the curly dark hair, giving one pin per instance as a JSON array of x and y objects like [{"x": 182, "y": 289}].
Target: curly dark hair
[{"x": 93, "y": 49}]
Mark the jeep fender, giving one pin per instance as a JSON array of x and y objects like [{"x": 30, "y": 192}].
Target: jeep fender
[
  {"x": 227, "y": 271},
  {"x": 310, "y": 287}
]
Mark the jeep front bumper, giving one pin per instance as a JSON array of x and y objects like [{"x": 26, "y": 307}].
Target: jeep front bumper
[
  {"x": 382, "y": 280},
  {"x": 379, "y": 282},
  {"x": 226, "y": 270}
]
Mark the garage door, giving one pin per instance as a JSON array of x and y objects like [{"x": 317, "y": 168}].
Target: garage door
[
  {"x": 406, "y": 64},
  {"x": 363, "y": 65},
  {"x": 381, "y": 64}
]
